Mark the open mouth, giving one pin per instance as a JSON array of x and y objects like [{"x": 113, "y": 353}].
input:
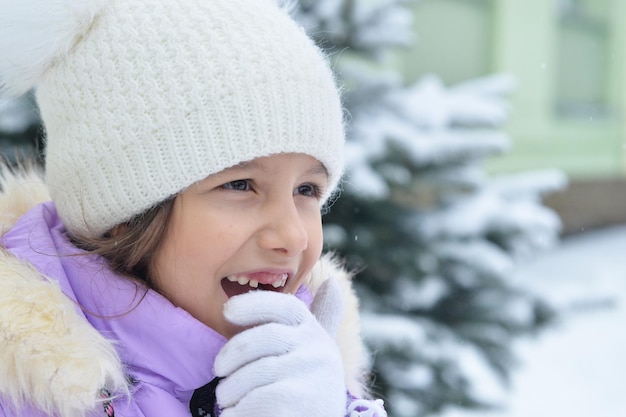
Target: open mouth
[{"x": 239, "y": 284}]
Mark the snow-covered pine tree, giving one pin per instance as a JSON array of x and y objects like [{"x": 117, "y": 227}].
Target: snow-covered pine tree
[
  {"x": 434, "y": 238},
  {"x": 20, "y": 128}
]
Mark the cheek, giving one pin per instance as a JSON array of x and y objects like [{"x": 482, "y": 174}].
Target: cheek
[
  {"x": 202, "y": 236},
  {"x": 316, "y": 240},
  {"x": 316, "y": 234},
  {"x": 182, "y": 251},
  {"x": 315, "y": 243}
]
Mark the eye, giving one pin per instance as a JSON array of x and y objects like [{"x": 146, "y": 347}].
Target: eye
[
  {"x": 238, "y": 185},
  {"x": 309, "y": 190}
]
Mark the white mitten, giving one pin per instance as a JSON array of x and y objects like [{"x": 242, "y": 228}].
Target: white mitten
[{"x": 286, "y": 364}]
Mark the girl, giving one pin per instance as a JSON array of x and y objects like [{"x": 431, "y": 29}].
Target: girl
[{"x": 170, "y": 262}]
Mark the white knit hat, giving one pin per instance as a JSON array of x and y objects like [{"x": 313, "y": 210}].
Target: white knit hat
[{"x": 142, "y": 98}]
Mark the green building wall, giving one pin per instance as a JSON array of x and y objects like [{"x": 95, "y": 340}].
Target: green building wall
[{"x": 569, "y": 59}]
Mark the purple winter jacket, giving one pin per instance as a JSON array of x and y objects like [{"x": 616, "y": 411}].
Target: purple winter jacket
[{"x": 167, "y": 353}]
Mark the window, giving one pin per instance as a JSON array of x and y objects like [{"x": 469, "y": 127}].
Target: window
[{"x": 583, "y": 59}]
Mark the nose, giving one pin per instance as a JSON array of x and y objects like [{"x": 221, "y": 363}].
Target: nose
[{"x": 284, "y": 229}]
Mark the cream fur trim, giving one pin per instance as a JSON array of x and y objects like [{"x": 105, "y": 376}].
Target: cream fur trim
[
  {"x": 51, "y": 357},
  {"x": 349, "y": 335},
  {"x": 22, "y": 189}
]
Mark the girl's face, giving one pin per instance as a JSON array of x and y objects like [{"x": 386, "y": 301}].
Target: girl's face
[{"x": 253, "y": 226}]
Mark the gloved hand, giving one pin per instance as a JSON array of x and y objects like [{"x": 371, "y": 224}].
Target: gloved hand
[{"x": 288, "y": 364}]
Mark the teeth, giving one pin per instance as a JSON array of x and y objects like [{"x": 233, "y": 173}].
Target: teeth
[
  {"x": 243, "y": 280},
  {"x": 281, "y": 282}
]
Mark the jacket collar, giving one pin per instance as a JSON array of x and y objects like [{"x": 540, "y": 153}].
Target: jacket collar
[{"x": 146, "y": 328}]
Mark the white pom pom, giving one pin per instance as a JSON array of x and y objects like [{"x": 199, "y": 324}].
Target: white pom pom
[{"x": 35, "y": 34}]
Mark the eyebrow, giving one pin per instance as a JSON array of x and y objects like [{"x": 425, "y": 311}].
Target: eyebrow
[{"x": 317, "y": 169}]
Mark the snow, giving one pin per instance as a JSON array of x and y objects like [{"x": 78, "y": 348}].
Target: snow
[
  {"x": 426, "y": 123},
  {"x": 575, "y": 369},
  {"x": 393, "y": 330},
  {"x": 16, "y": 114},
  {"x": 373, "y": 20},
  {"x": 482, "y": 101},
  {"x": 364, "y": 24},
  {"x": 422, "y": 296},
  {"x": 481, "y": 257}
]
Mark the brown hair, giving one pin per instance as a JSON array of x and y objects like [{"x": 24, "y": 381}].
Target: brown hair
[{"x": 130, "y": 246}]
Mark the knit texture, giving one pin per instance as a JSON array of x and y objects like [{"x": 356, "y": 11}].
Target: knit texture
[{"x": 158, "y": 94}]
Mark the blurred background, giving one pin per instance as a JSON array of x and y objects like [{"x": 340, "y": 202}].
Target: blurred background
[
  {"x": 568, "y": 57},
  {"x": 484, "y": 204}
]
